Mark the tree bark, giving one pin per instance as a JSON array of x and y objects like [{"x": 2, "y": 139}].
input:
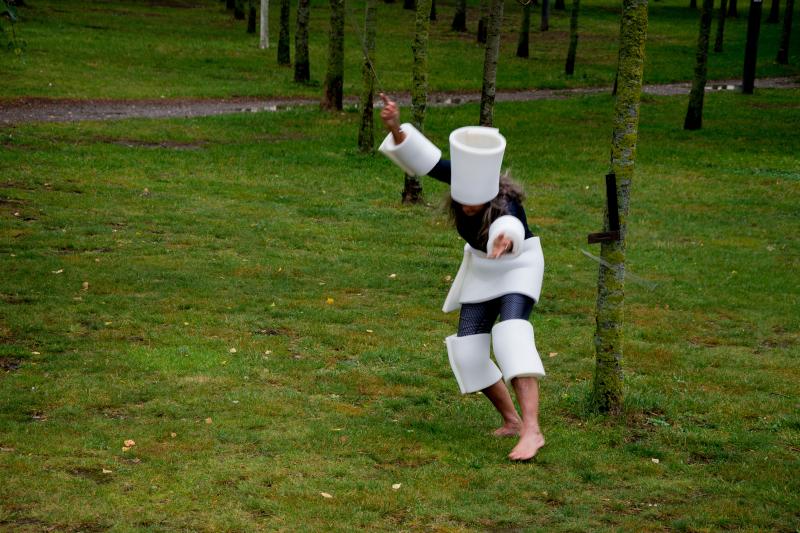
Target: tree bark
[
  {"x": 545, "y": 23},
  {"x": 334, "y": 77},
  {"x": 284, "y": 48},
  {"x": 751, "y": 46},
  {"x": 560, "y": 5},
  {"x": 409, "y": 4},
  {"x": 460, "y": 18},
  {"x": 774, "y": 12},
  {"x": 238, "y": 10},
  {"x": 490, "y": 63},
  {"x": 251, "y": 17},
  {"x": 432, "y": 16},
  {"x": 302, "y": 68},
  {"x": 607, "y": 390},
  {"x": 412, "y": 190},
  {"x": 523, "y": 43},
  {"x": 230, "y": 5},
  {"x": 569, "y": 68},
  {"x": 366, "y": 133},
  {"x": 783, "y": 46},
  {"x": 718, "y": 45},
  {"x": 694, "y": 114},
  {"x": 692, "y": 4},
  {"x": 264, "y": 30},
  {"x": 733, "y": 12}
]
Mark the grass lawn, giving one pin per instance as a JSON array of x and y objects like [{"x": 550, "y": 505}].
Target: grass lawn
[
  {"x": 244, "y": 297},
  {"x": 194, "y": 48}
]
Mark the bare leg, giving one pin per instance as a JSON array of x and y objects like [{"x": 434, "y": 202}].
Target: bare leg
[
  {"x": 531, "y": 438},
  {"x": 501, "y": 399}
]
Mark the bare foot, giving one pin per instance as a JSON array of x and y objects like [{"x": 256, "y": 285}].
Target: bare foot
[
  {"x": 509, "y": 429},
  {"x": 529, "y": 444}
]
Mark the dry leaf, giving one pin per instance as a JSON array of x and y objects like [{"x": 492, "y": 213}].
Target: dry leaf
[
  {"x": 59, "y": 271},
  {"x": 232, "y": 350},
  {"x": 397, "y": 486},
  {"x": 173, "y": 434},
  {"x": 130, "y": 442},
  {"x": 325, "y": 495},
  {"x": 392, "y": 276},
  {"x": 370, "y": 331},
  {"x": 656, "y": 461},
  {"x": 208, "y": 420},
  {"x": 125, "y": 448},
  {"x": 85, "y": 285},
  {"x": 36, "y": 353},
  {"x": 553, "y": 354},
  {"x": 329, "y": 301},
  {"x": 106, "y": 471}
]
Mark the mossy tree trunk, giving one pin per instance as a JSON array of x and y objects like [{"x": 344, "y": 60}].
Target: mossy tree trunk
[
  {"x": 284, "y": 48},
  {"x": 412, "y": 190},
  {"x": 783, "y": 46},
  {"x": 302, "y": 66},
  {"x": 251, "y": 16},
  {"x": 230, "y": 5},
  {"x": 774, "y": 12},
  {"x": 432, "y": 16},
  {"x": 460, "y": 18},
  {"x": 560, "y": 5},
  {"x": 569, "y": 68},
  {"x": 490, "y": 63},
  {"x": 409, "y": 4},
  {"x": 483, "y": 21},
  {"x": 366, "y": 133},
  {"x": 694, "y": 114},
  {"x": 718, "y": 41},
  {"x": 334, "y": 77},
  {"x": 607, "y": 389},
  {"x": 523, "y": 43},
  {"x": 751, "y": 46},
  {"x": 264, "y": 25},
  {"x": 733, "y": 12},
  {"x": 544, "y": 25}
]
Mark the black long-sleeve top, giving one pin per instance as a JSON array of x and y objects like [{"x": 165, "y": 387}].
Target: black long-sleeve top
[{"x": 469, "y": 227}]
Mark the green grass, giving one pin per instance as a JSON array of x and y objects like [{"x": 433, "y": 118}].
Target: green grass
[
  {"x": 201, "y": 236},
  {"x": 194, "y": 48}
]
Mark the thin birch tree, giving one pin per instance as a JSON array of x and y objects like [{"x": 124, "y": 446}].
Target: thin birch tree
[
  {"x": 412, "y": 189},
  {"x": 366, "y": 133},
  {"x": 334, "y": 77},
  {"x": 607, "y": 388},
  {"x": 302, "y": 68},
  {"x": 523, "y": 43},
  {"x": 694, "y": 114},
  {"x": 264, "y": 29},
  {"x": 490, "y": 63}
]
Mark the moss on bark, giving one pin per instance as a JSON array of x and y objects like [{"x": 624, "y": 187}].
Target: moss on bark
[
  {"x": 302, "y": 68},
  {"x": 569, "y": 67},
  {"x": 694, "y": 114},
  {"x": 334, "y": 77},
  {"x": 366, "y": 133},
  {"x": 490, "y": 63}
]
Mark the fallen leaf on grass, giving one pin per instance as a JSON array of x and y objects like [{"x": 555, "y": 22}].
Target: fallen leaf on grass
[
  {"x": 392, "y": 276},
  {"x": 173, "y": 435},
  {"x": 208, "y": 420},
  {"x": 325, "y": 495},
  {"x": 370, "y": 331},
  {"x": 85, "y": 285},
  {"x": 656, "y": 461},
  {"x": 553, "y": 354},
  {"x": 126, "y": 448},
  {"x": 329, "y": 301},
  {"x": 232, "y": 350},
  {"x": 130, "y": 442},
  {"x": 106, "y": 471},
  {"x": 59, "y": 271},
  {"x": 396, "y": 486}
]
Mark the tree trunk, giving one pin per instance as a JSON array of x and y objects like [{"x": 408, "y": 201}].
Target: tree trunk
[
  {"x": 264, "y": 20},
  {"x": 284, "y": 49},
  {"x": 545, "y": 23},
  {"x": 692, "y": 4},
  {"x": 302, "y": 68},
  {"x": 482, "y": 21},
  {"x": 732, "y": 10},
  {"x": 694, "y": 114},
  {"x": 412, "y": 191},
  {"x": 560, "y": 5},
  {"x": 569, "y": 68},
  {"x": 366, "y": 133},
  {"x": 751, "y": 47},
  {"x": 238, "y": 10},
  {"x": 334, "y": 77},
  {"x": 230, "y": 5},
  {"x": 409, "y": 4},
  {"x": 432, "y": 16},
  {"x": 490, "y": 63},
  {"x": 523, "y": 43},
  {"x": 251, "y": 17},
  {"x": 607, "y": 390},
  {"x": 720, "y": 26},
  {"x": 783, "y": 47},
  {"x": 774, "y": 12},
  {"x": 460, "y": 18}
]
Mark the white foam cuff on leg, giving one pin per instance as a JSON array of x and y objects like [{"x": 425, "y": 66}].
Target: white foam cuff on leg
[
  {"x": 515, "y": 349},
  {"x": 470, "y": 361},
  {"x": 416, "y": 155}
]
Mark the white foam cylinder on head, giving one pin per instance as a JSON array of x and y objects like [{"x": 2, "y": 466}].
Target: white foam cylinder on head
[
  {"x": 416, "y": 155},
  {"x": 470, "y": 361},
  {"x": 515, "y": 349},
  {"x": 476, "y": 154}
]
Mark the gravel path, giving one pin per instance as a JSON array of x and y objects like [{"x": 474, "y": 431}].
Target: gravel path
[{"x": 22, "y": 110}]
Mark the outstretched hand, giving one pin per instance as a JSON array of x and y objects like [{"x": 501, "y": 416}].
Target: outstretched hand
[
  {"x": 501, "y": 246},
  {"x": 390, "y": 115}
]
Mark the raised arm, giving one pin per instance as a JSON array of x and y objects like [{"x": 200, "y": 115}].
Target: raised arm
[{"x": 390, "y": 115}]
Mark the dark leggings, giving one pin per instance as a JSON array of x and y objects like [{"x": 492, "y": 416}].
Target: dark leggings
[{"x": 480, "y": 317}]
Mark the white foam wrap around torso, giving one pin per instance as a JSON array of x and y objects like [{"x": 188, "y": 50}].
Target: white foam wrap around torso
[{"x": 480, "y": 279}]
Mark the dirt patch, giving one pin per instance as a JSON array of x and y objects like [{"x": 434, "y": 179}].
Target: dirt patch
[
  {"x": 9, "y": 364},
  {"x": 22, "y": 110}
]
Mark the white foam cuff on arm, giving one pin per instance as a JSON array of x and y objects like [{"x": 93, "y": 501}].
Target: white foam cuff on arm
[
  {"x": 416, "y": 155},
  {"x": 512, "y": 228}
]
